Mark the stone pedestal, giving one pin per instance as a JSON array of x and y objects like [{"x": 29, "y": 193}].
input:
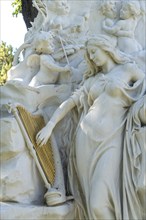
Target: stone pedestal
[{"x": 15, "y": 211}]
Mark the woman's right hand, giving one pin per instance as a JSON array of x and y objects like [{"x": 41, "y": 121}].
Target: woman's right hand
[{"x": 44, "y": 134}]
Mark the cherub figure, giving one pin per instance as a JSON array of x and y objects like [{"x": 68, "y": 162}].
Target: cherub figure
[
  {"x": 54, "y": 14},
  {"x": 49, "y": 68},
  {"x": 38, "y": 67},
  {"x": 124, "y": 28},
  {"x": 109, "y": 11},
  {"x": 57, "y": 16}
]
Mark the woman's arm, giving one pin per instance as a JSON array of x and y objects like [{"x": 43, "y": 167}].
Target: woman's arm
[{"x": 44, "y": 134}]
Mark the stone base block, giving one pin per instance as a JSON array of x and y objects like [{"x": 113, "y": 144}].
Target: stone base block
[{"x": 17, "y": 211}]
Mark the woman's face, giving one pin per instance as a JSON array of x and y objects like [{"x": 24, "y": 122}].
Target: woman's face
[{"x": 97, "y": 55}]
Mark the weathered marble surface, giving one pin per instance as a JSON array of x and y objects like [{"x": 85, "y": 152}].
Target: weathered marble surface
[
  {"x": 11, "y": 211},
  {"x": 17, "y": 184},
  {"x": 88, "y": 59}
]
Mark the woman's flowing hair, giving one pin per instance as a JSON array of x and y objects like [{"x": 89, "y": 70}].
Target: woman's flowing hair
[{"x": 103, "y": 42}]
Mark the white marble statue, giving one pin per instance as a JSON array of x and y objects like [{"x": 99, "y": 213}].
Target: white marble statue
[
  {"x": 109, "y": 11},
  {"x": 95, "y": 168},
  {"x": 59, "y": 11},
  {"x": 48, "y": 59},
  {"x": 57, "y": 16},
  {"x": 124, "y": 28},
  {"x": 49, "y": 70},
  {"x": 82, "y": 69},
  {"x": 134, "y": 192}
]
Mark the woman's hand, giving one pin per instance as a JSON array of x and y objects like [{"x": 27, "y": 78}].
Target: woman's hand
[{"x": 44, "y": 134}]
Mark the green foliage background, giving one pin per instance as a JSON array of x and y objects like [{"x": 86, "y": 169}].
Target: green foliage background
[
  {"x": 17, "y": 4},
  {"x": 7, "y": 51},
  {"x": 6, "y": 59}
]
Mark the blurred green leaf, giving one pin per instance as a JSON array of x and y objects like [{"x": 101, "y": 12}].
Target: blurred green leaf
[
  {"x": 6, "y": 59},
  {"x": 17, "y": 5}
]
